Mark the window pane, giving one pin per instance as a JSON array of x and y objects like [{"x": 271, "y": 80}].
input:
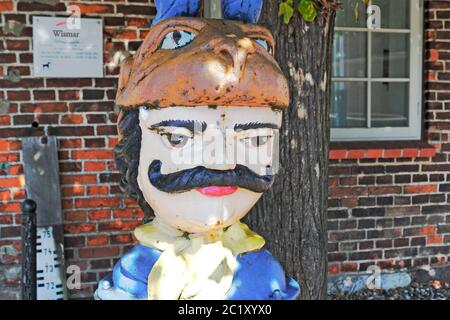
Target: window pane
[
  {"x": 390, "y": 104},
  {"x": 352, "y": 14},
  {"x": 394, "y": 13},
  {"x": 349, "y": 54},
  {"x": 348, "y": 105},
  {"x": 390, "y": 53}
]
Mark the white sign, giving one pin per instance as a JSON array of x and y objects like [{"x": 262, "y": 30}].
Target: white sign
[{"x": 66, "y": 50}]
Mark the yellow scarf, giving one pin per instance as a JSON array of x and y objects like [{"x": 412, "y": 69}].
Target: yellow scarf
[{"x": 195, "y": 265}]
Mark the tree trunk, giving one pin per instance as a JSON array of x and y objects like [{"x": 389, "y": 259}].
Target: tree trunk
[{"x": 292, "y": 216}]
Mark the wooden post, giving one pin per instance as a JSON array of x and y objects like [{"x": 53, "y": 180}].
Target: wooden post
[
  {"x": 213, "y": 9},
  {"x": 29, "y": 250}
]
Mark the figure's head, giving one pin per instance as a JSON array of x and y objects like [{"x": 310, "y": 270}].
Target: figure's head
[{"x": 201, "y": 107}]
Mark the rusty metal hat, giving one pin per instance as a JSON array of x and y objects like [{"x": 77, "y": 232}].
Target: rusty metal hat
[{"x": 222, "y": 62}]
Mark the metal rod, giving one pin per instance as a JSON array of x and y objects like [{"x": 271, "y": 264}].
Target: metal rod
[
  {"x": 213, "y": 9},
  {"x": 29, "y": 250}
]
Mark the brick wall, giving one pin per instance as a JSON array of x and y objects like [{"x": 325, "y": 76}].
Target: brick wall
[
  {"x": 98, "y": 219},
  {"x": 389, "y": 202}
]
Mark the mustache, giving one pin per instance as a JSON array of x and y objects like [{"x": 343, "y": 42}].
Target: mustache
[{"x": 201, "y": 177}]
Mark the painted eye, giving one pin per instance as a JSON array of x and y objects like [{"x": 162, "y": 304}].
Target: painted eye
[
  {"x": 177, "y": 140},
  {"x": 265, "y": 44},
  {"x": 259, "y": 140},
  {"x": 177, "y": 39}
]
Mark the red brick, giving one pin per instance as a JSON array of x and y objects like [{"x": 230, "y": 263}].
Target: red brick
[
  {"x": 349, "y": 202},
  {"x": 5, "y": 195},
  {"x": 98, "y": 240},
  {"x": 72, "y": 119},
  {"x": 10, "y": 207},
  {"x": 410, "y": 153},
  {"x": 118, "y": 225},
  {"x": 99, "y": 214},
  {"x": 18, "y": 194},
  {"x": 6, "y": 219},
  {"x": 392, "y": 153},
  {"x": 385, "y": 190},
  {"x": 349, "y": 267},
  {"x": 43, "y": 107},
  {"x": 70, "y": 143},
  {"x": 337, "y": 154},
  {"x": 77, "y": 190},
  {"x": 19, "y": 95},
  {"x": 77, "y": 179},
  {"x": 429, "y": 152},
  {"x": 5, "y": 120},
  {"x": 430, "y": 75},
  {"x": 94, "y": 8},
  {"x": 128, "y": 213},
  {"x": 434, "y": 239},
  {"x": 92, "y": 154},
  {"x": 44, "y": 95},
  {"x": 11, "y": 182},
  {"x": 6, "y": 6},
  {"x": 15, "y": 170},
  {"x": 347, "y": 192},
  {"x": 77, "y": 228},
  {"x": 427, "y": 230},
  {"x": 112, "y": 141},
  {"x": 138, "y": 22},
  {"x": 97, "y": 202},
  {"x": 15, "y": 45},
  {"x": 94, "y": 166},
  {"x": 97, "y": 190},
  {"x": 356, "y": 154},
  {"x": 99, "y": 252},
  {"x": 69, "y": 94},
  {"x": 9, "y": 157},
  {"x": 421, "y": 188},
  {"x": 433, "y": 55},
  {"x": 333, "y": 269},
  {"x": 75, "y": 216},
  {"x": 121, "y": 238},
  {"x": 374, "y": 153}
]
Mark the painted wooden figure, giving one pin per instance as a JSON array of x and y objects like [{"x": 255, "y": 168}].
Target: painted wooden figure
[{"x": 201, "y": 103}]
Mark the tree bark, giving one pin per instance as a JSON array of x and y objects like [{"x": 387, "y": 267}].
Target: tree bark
[{"x": 292, "y": 216}]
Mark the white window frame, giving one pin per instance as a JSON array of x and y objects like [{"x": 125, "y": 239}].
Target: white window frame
[{"x": 414, "y": 129}]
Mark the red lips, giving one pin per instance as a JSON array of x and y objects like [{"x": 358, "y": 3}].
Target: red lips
[{"x": 215, "y": 191}]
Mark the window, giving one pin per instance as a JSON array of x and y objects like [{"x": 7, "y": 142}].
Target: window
[{"x": 377, "y": 73}]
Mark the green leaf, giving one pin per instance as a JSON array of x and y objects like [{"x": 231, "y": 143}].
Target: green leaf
[
  {"x": 307, "y": 10},
  {"x": 356, "y": 11},
  {"x": 286, "y": 10}
]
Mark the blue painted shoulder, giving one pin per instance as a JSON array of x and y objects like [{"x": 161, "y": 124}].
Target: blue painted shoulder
[
  {"x": 129, "y": 277},
  {"x": 261, "y": 277}
]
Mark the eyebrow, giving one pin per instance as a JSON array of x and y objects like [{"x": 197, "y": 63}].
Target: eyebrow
[
  {"x": 191, "y": 125},
  {"x": 254, "y": 125}
]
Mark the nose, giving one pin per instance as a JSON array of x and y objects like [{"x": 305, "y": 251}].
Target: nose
[
  {"x": 235, "y": 53},
  {"x": 219, "y": 150},
  {"x": 221, "y": 166}
]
